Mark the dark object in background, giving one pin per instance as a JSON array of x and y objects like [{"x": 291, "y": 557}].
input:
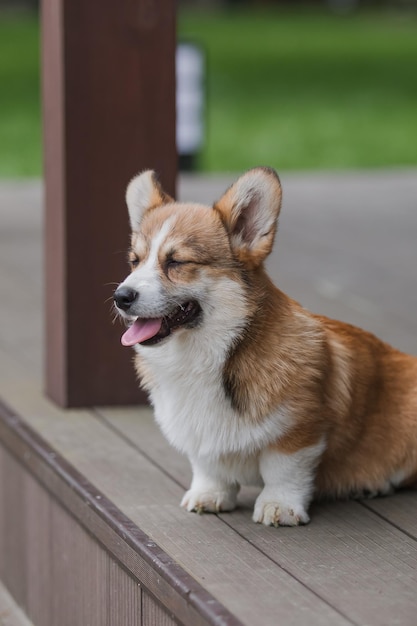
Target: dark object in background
[{"x": 190, "y": 73}]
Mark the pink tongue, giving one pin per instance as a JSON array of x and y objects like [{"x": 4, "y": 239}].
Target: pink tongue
[{"x": 141, "y": 330}]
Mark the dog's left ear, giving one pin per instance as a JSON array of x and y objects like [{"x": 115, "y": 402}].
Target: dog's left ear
[
  {"x": 144, "y": 192},
  {"x": 249, "y": 210}
]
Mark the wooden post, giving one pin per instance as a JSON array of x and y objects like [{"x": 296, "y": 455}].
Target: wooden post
[{"x": 109, "y": 112}]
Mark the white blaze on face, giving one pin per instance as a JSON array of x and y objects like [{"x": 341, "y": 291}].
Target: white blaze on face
[
  {"x": 152, "y": 260},
  {"x": 146, "y": 278}
]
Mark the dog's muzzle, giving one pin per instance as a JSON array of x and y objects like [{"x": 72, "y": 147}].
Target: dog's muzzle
[{"x": 151, "y": 330}]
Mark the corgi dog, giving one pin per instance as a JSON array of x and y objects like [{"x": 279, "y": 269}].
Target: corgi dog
[{"x": 252, "y": 387}]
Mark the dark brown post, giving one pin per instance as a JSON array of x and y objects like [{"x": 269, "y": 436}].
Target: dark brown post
[{"x": 109, "y": 112}]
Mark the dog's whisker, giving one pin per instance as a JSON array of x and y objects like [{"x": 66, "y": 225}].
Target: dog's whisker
[{"x": 179, "y": 304}]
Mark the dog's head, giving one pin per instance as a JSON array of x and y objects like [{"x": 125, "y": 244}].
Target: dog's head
[{"x": 188, "y": 260}]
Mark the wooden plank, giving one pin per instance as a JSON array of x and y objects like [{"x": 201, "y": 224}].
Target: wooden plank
[
  {"x": 215, "y": 555},
  {"x": 109, "y": 111},
  {"x": 13, "y": 542},
  {"x": 359, "y": 563},
  {"x": 153, "y": 614},
  {"x": 243, "y": 578},
  {"x": 38, "y": 540},
  {"x": 125, "y": 598},
  {"x": 137, "y": 425},
  {"x": 66, "y": 577},
  {"x": 139, "y": 555},
  {"x": 399, "y": 510},
  {"x": 80, "y": 571},
  {"x": 339, "y": 530},
  {"x": 372, "y": 563},
  {"x": 24, "y": 538}
]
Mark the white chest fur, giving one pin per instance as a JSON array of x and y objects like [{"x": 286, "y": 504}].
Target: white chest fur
[{"x": 191, "y": 405}]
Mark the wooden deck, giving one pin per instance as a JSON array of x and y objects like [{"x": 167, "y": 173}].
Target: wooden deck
[{"x": 90, "y": 527}]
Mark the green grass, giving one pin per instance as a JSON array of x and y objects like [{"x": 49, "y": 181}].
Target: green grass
[
  {"x": 20, "y": 129},
  {"x": 308, "y": 90},
  {"x": 293, "y": 90}
]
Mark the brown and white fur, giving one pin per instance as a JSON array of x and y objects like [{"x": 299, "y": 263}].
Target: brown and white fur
[{"x": 252, "y": 387}]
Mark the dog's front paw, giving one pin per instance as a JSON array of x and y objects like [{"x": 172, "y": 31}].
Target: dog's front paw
[
  {"x": 210, "y": 501},
  {"x": 279, "y": 513}
]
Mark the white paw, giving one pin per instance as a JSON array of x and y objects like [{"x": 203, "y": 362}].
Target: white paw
[
  {"x": 279, "y": 514},
  {"x": 209, "y": 501}
]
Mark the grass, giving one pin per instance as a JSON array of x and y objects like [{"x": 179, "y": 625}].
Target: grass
[
  {"x": 291, "y": 89},
  {"x": 20, "y": 128},
  {"x": 307, "y": 90}
]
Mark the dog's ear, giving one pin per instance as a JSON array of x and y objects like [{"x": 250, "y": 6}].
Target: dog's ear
[
  {"x": 249, "y": 210},
  {"x": 144, "y": 192}
]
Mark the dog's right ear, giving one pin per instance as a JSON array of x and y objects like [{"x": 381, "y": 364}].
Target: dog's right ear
[{"x": 144, "y": 192}]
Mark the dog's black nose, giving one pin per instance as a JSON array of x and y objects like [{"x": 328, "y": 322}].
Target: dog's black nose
[{"x": 124, "y": 297}]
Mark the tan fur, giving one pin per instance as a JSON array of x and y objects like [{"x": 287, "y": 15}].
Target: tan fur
[
  {"x": 375, "y": 436},
  {"x": 340, "y": 382}
]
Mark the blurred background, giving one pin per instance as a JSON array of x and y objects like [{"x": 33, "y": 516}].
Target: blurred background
[{"x": 295, "y": 85}]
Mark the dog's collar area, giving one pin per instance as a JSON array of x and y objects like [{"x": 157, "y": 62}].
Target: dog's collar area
[{"x": 150, "y": 331}]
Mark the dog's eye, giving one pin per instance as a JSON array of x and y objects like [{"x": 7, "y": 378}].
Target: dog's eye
[
  {"x": 134, "y": 261},
  {"x": 172, "y": 263}
]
